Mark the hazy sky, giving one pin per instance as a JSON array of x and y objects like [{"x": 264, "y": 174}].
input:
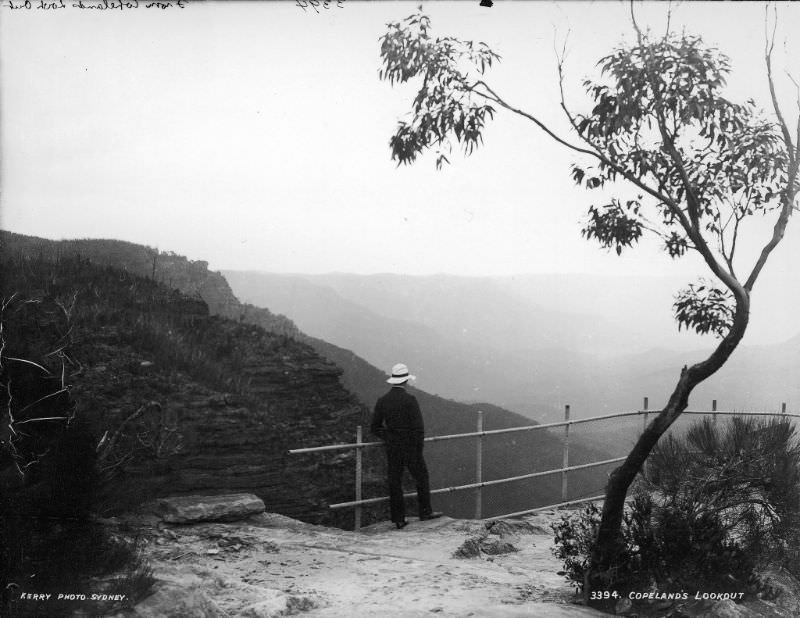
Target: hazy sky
[{"x": 254, "y": 135}]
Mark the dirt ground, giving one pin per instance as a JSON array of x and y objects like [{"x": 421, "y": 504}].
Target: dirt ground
[{"x": 272, "y": 565}]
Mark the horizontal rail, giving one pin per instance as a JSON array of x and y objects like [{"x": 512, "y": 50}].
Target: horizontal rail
[
  {"x": 566, "y": 423},
  {"x": 492, "y": 432},
  {"x": 743, "y": 413},
  {"x": 473, "y": 434},
  {"x": 511, "y": 479},
  {"x": 333, "y": 447},
  {"x": 549, "y": 506}
]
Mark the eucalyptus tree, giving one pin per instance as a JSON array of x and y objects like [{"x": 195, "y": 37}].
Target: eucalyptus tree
[{"x": 701, "y": 167}]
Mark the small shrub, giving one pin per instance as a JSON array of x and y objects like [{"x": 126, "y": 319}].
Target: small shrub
[
  {"x": 672, "y": 549},
  {"x": 745, "y": 475},
  {"x": 574, "y": 538},
  {"x": 132, "y": 574},
  {"x": 713, "y": 507}
]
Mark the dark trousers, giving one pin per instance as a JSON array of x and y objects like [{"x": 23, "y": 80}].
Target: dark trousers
[{"x": 405, "y": 451}]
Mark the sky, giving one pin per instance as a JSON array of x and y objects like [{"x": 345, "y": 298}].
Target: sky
[{"x": 254, "y": 135}]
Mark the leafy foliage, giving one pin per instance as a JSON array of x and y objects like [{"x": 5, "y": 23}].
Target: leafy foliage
[
  {"x": 574, "y": 538},
  {"x": 614, "y": 225},
  {"x": 704, "y": 308},
  {"x": 661, "y": 120},
  {"x": 714, "y": 505},
  {"x": 674, "y": 549},
  {"x": 663, "y": 97},
  {"x": 657, "y": 118},
  {"x": 745, "y": 473},
  {"x": 445, "y": 105}
]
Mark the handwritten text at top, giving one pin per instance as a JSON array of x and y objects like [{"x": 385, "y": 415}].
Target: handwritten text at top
[
  {"x": 317, "y": 4},
  {"x": 98, "y": 5}
]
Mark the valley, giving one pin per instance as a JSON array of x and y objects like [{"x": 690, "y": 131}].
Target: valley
[{"x": 521, "y": 344}]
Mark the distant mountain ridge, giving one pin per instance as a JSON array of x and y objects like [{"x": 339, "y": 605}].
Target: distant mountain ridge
[
  {"x": 192, "y": 278},
  {"x": 493, "y": 339},
  {"x": 448, "y": 366}
]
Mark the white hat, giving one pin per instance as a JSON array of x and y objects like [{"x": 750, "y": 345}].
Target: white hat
[{"x": 400, "y": 374}]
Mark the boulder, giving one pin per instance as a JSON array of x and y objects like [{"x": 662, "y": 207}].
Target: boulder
[
  {"x": 510, "y": 532},
  {"x": 278, "y": 604},
  {"x": 511, "y": 527},
  {"x": 475, "y": 546},
  {"x": 496, "y": 547},
  {"x": 194, "y": 509}
]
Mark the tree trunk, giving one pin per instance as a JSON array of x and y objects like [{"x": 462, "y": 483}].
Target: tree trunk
[{"x": 610, "y": 544}]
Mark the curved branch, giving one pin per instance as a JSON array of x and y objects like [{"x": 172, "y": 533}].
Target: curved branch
[
  {"x": 692, "y": 231},
  {"x": 692, "y": 228},
  {"x": 734, "y": 238},
  {"x": 793, "y": 151},
  {"x": 777, "y": 231},
  {"x": 704, "y": 369},
  {"x": 694, "y": 235},
  {"x": 796, "y": 86},
  {"x": 592, "y": 153},
  {"x": 692, "y": 201},
  {"x": 769, "y": 45},
  {"x": 493, "y": 96},
  {"x": 29, "y": 362}
]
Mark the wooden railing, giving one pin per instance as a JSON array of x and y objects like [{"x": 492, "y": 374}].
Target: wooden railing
[{"x": 359, "y": 445}]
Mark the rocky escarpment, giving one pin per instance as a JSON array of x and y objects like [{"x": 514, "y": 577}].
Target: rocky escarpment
[
  {"x": 191, "y": 277},
  {"x": 181, "y": 401},
  {"x": 224, "y": 441}
]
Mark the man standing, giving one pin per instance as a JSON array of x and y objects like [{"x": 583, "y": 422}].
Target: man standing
[{"x": 398, "y": 422}]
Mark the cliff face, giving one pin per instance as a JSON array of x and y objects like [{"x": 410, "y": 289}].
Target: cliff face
[
  {"x": 191, "y": 277},
  {"x": 229, "y": 441},
  {"x": 194, "y": 402}
]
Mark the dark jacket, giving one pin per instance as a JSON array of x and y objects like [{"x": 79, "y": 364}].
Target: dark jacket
[{"x": 397, "y": 413}]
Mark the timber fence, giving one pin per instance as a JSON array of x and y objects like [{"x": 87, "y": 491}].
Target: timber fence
[{"x": 359, "y": 445}]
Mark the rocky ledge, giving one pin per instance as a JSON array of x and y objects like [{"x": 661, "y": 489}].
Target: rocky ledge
[{"x": 270, "y": 565}]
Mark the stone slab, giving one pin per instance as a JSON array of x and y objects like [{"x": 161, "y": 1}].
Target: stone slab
[{"x": 195, "y": 509}]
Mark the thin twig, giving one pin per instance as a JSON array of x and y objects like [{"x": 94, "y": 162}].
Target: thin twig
[
  {"x": 23, "y": 360},
  {"x": 53, "y": 394},
  {"x": 43, "y": 418},
  {"x": 769, "y": 47}
]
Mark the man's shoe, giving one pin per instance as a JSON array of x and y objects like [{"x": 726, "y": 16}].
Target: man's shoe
[
  {"x": 431, "y": 515},
  {"x": 401, "y": 524}
]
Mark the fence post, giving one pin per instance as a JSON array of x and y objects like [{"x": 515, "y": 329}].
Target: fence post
[
  {"x": 359, "y": 440},
  {"x": 565, "y": 463},
  {"x": 714, "y": 410},
  {"x": 644, "y": 422},
  {"x": 479, "y": 469}
]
